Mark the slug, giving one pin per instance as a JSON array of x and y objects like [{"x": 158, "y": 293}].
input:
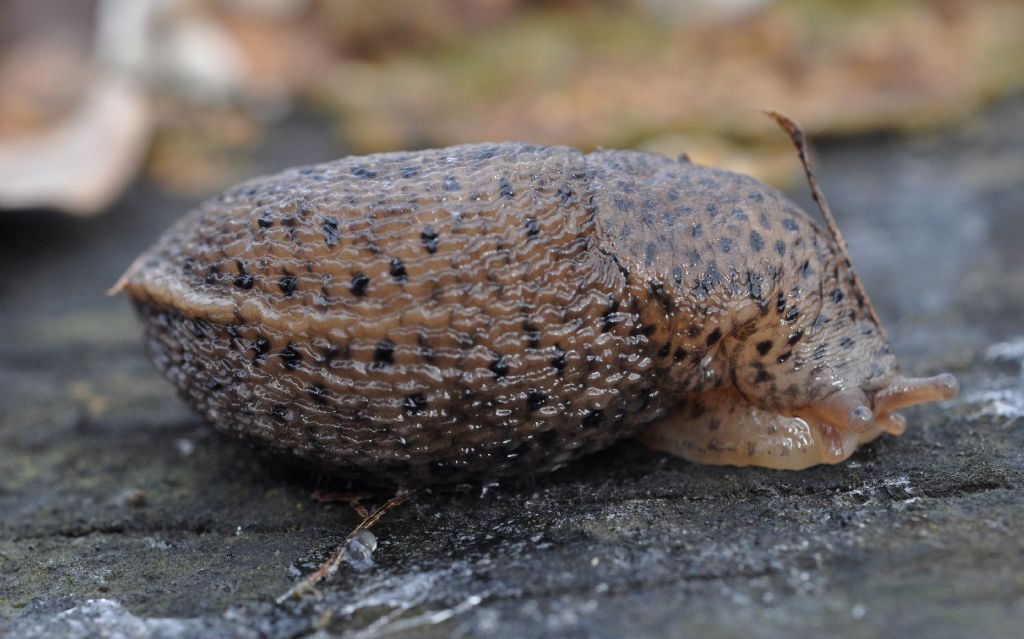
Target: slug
[{"x": 493, "y": 310}]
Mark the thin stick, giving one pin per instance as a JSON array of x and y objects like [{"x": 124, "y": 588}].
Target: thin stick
[
  {"x": 796, "y": 135},
  {"x": 330, "y": 567}
]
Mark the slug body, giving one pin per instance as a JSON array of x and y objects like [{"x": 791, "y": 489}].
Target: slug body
[{"x": 486, "y": 311}]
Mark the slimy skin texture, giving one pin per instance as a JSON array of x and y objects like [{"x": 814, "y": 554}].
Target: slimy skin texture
[{"x": 495, "y": 310}]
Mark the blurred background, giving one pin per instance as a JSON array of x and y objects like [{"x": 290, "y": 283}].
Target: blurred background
[{"x": 183, "y": 92}]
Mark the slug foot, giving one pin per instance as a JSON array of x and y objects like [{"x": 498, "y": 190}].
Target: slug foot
[{"x": 722, "y": 428}]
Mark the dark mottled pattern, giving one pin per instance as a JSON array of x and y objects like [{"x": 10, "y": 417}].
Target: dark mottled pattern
[{"x": 492, "y": 310}]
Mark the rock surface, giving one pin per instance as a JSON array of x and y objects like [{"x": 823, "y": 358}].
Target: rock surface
[{"x": 124, "y": 514}]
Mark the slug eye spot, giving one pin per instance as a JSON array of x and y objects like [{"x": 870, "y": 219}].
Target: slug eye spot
[
  {"x": 397, "y": 270},
  {"x": 287, "y": 285},
  {"x": 429, "y": 237},
  {"x": 384, "y": 354},
  {"x": 359, "y": 284}
]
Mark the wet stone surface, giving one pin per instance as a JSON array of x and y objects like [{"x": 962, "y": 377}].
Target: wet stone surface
[{"x": 123, "y": 513}]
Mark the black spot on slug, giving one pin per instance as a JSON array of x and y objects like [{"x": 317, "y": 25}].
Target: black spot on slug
[
  {"x": 266, "y": 220},
  {"x": 331, "y": 233},
  {"x": 535, "y": 400},
  {"x": 764, "y": 347},
  {"x": 532, "y": 228},
  {"x": 363, "y": 173},
  {"x": 245, "y": 281},
  {"x": 384, "y": 354},
  {"x": 593, "y": 418},
  {"x": 290, "y": 356},
  {"x": 532, "y": 335},
  {"x": 505, "y": 189},
  {"x": 499, "y": 368},
  {"x": 397, "y": 270},
  {"x": 261, "y": 346},
  {"x": 795, "y": 337},
  {"x": 414, "y": 403},
  {"x": 611, "y": 316},
  {"x": 287, "y": 284},
  {"x": 429, "y": 237},
  {"x": 780, "y": 247},
  {"x": 713, "y": 337},
  {"x": 558, "y": 362},
  {"x": 756, "y": 241},
  {"x": 359, "y": 284}
]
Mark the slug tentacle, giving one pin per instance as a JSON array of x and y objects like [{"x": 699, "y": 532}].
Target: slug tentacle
[{"x": 796, "y": 135}]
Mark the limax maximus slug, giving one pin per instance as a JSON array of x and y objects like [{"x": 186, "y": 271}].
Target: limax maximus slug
[{"x": 492, "y": 310}]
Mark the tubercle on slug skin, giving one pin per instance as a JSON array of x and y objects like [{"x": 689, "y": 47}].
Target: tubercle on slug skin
[{"x": 545, "y": 304}]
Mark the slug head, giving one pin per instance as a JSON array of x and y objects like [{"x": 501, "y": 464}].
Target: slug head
[{"x": 805, "y": 372}]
